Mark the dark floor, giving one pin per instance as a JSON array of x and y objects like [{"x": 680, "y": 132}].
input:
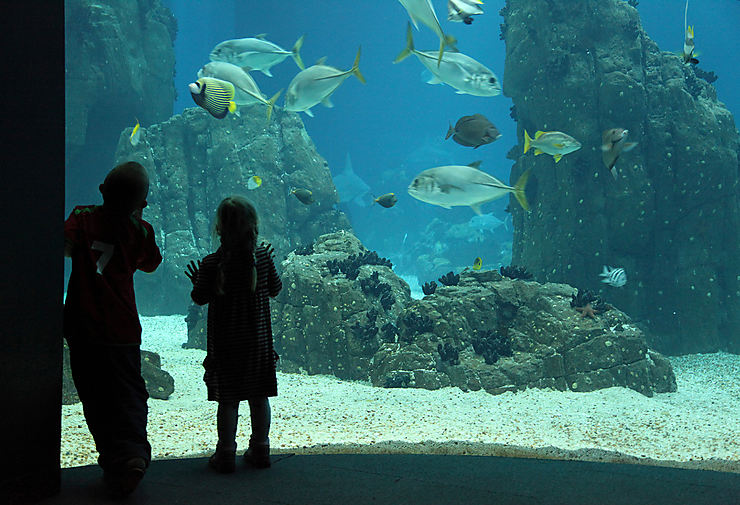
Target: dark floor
[{"x": 411, "y": 479}]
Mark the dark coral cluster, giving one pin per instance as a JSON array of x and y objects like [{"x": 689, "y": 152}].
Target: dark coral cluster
[
  {"x": 492, "y": 346},
  {"x": 304, "y": 250},
  {"x": 414, "y": 323},
  {"x": 351, "y": 266},
  {"x": 388, "y": 333},
  {"x": 372, "y": 286},
  {"x": 588, "y": 297},
  {"x": 449, "y": 353},
  {"x": 370, "y": 330},
  {"x": 515, "y": 272},
  {"x": 710, "y": 77},
  {"x": 450, "y": 279},
  {"x": 429, "y": 288}
]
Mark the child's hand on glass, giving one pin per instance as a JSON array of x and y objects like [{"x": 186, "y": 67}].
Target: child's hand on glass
[{"x": 192, "y": 271}]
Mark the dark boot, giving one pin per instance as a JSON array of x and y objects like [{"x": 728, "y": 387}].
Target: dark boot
[
  {"x": 224, "y": 460},
  {"x": 258, "y": 455}
]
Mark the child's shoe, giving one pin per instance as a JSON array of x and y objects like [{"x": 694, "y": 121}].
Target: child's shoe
[
  {"x": 123, "y": 481},
  {"x": 223, "y": 461},
  {"x": 258, "y": 455}
]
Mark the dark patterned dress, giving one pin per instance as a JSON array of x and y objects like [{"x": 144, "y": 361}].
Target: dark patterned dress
[{"x": 240, "y": 363}]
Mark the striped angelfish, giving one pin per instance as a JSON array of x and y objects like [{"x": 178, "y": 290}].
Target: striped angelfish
[
  {"x": 214, "y": 95},
  {"x": 614, "y": 276}
]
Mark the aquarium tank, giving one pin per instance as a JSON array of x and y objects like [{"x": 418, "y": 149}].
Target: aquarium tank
[{"x": 508, "y": 228}]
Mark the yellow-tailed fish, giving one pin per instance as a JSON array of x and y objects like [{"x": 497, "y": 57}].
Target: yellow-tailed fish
[
  {"x": 555, "y": 144},
  {"x": 254, "y": 182},
  {"x": 214, "y": 95},
  {"x": 478, "y": 263},
  {"x": 135, "y": 134},
  {"x": 422, "y": 10},
  {"x": 304, "y": 195},
  {"x": 388, "y": 200}
]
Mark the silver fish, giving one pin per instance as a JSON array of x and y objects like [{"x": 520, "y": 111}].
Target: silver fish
[
  {"x": 423, "y": 11},
  {"x": 316, "y": 84},
  {"x": 614, "y": 276},
  {"x": 463, "y": 10},
  {"x": 613, "y": 144},
  {"x": 460, "y": 185},
  {"x": 255, "y": 53},
  {"x": 246, "y": 90},
  {"x": 461, "y": 72}
]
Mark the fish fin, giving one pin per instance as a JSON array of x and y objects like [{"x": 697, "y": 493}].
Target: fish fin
[
  {"x": 537, "y": 152},
  {"x": 629, "y": 146},
  {"x": 559, "y": 145},
  {"x": 476, "y": 147},
  {"x": 409, "y": 46},
  {"x": 271, "y": 104},
  {"x": 434, "y": 80},
  {"x": 476, "y": 208},
  {"x": 296, "y": 52},
  {"x": 308, "y": 112},
  {"x": 557, "y": 157},
  {"x": 356, "y": 67},
  {"x": 260, "y": 36},
  {"x": 460, "y": 92},
  {"x": 321, "y": 61},
  {"x": 266, "y": 71},
  {"x": 232, "y": 106},
  {"x": 326, "y": 102},
  {"x": 527, "y": 141},
  {"x": 441, "y": 52},
  {"x": 606, "y": 147},
  {"x": 613, "y": 171},
  {"x": 538, "y": 134},
  {"x": 519, "y": 194},
  {"x": 475, "y": 164},
  {"x": 450, "y": 132},
  {"x": 247, "y": 69}
]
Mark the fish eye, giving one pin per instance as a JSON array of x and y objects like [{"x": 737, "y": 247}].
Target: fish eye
[{"x": 492, "y": 80}]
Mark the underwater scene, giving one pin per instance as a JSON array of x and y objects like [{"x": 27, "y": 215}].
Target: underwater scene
[{"x": 508, "y": 227}]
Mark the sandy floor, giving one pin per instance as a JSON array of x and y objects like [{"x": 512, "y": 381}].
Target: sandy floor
[{"x": 697, "y": 427}]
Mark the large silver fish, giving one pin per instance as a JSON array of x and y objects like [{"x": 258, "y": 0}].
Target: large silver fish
[
  {"x": 246, "y": 90},
  {"x": 423, "y": 11},
  {"x": 460, "y": 185},
  {"x": 463, "y": 10},
  {"x": 461, "y": 72},
  {"x": 255, "y": 53},
  {"x": 316, "y": 84}
]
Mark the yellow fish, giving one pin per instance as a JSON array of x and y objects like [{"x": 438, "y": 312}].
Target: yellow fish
[
  {"x": 477, "y": 263},
  {"x": 214, "y": 95},
  {"x": 555, "y": 144},
  {"x": 254, "y": 182},
  {"x": 136, "y": 134}
]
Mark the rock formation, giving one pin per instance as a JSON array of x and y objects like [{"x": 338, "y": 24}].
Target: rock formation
[
  {"x": 120, "y": 63},
  {"x": 671, "y": 219},
  {"x": 342, "y": 313},
  {"x": 195, "y": 160}
]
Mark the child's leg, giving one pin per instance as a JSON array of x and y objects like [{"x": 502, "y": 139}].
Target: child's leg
[
  {"x": 226, "y": 423},
  {"x": 259, "y": 410}
]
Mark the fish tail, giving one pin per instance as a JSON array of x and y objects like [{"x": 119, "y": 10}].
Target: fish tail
[
  {"x": 409, "y": 46},
  {"x": 527, "y": 141},
  {"x": 271, "y": 104},
  {"x": 450, "y": 132},
  {"x": 519, "y": 194},
  {"x": 297, "y": 52},
  {"x": 356, "y": 67}
]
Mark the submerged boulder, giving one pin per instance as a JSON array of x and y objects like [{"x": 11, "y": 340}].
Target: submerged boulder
[{"x": 671, "y": 218}]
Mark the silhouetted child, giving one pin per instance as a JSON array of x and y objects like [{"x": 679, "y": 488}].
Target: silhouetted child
[
  {"x": 107, "y": 244},
  {"x": 236, "y": 282}
]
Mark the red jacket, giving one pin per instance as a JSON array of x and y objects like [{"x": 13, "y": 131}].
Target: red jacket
[{"x": 100, "y": 305}]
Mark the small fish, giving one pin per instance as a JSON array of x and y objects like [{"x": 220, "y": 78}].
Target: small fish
[
  {"x": 456, "y": 185},
  {"x": 316, "y": 84},
  {"x": 554, "y": 143},
  {"x": 422, "y": 10},
  {"x": 458, "y": 70},
  {"x": 303, "y": 195},
  {"x": 255, "y": 53},
  {"x": 388, "y": 200},
  {"x": 688, "y": 41},
  {"x": 135, "y": 134},
  {"x": 214, "y": 95},
  {"x": 613, "y": 144},
  {"x": 246, "y": 90},
  {"x": 614, "y": 276},
  {"x": 478, "y": 263},
  {"x": 254, "y": 182},
  {"x": 473, "y": 131},
  {"x": 463, "y": 10}
]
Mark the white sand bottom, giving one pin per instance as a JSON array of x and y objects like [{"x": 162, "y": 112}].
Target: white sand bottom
[{"x": 696, "y": 427}]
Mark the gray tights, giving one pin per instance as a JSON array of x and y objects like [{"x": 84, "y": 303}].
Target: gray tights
[{"x": 226, "y": 421}]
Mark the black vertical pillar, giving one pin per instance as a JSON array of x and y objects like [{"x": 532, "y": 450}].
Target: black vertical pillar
[{"x": 31, "y": 241}]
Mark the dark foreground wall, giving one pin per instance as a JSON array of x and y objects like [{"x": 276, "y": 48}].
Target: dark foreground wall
[
  {"x": 32, "y": 198},
  {"x": 672, "y": 217}
]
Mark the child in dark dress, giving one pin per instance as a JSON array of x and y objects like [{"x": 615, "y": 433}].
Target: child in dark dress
[
  {"x": 107, "y": 244},
  {"x": 237, "y": 281}
]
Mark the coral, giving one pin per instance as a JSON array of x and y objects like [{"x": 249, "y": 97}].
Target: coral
[
  {"x": 372, "y": 286},
  {"x": 710, "y": 77},
  {"x": 429, "y": 288},
  {"x": 388, "y": 333},
  {"x": 450, "y": 279},
  {"x": 515, "y": 272},
  {"x": 492, "y": 346},
  {"x": 387, "y": 300},
  {"x": 304, "y": 250},
  {"x": 398, "y": 379},
  {"x": 413, "y": 323},
  {"x": 351, "y": 266},
  {"x": 633, "y": 3},
  {"x": 366, "y": 333},
  {"x": 587, "y": 298},
  {"x": 449, "y": 353}
]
